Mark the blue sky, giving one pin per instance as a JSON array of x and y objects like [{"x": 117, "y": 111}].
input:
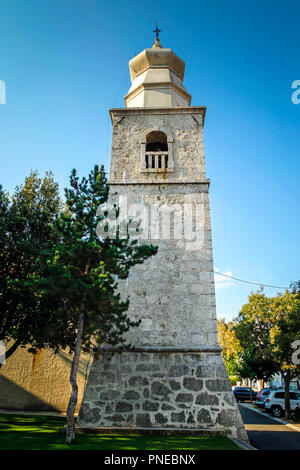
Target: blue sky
[{"x": 65, "y": 63}]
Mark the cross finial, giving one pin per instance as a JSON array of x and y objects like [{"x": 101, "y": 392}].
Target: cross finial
[{"x": 157, "y": 31}]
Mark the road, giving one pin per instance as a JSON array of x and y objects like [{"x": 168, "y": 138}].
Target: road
[{"x": 266, "y": 434}]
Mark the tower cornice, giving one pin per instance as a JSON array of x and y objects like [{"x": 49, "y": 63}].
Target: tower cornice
[
  {"x": 123, "y": 112},
  {"x": 205, "y": 183}
]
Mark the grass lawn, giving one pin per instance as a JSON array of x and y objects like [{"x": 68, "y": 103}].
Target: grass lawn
[{"x": 24, "y": 432}]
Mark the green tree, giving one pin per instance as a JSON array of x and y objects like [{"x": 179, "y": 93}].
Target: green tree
[
  {"x": 81, "y": 282},
  {"x": 26, "y": 228},
  {"x": 231, "y": 349},
  {"x": 284, "y": 331},
  {"x": 267, "y": 328},
  {"x": 252, "y": 329}
]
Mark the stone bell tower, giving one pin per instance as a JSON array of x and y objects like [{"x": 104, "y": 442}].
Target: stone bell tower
[{"x": 174, "y": 377}]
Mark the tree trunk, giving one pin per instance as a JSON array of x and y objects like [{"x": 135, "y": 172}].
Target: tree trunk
[
  {"x": 287, "y": 381},
  {"x": 70, "y": 431},
  {"x": 261, "y": 383},
  {"x": 11, "y": 350}
]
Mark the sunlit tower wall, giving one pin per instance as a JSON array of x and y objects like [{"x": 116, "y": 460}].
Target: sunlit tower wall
[{"x": 175, "y": 376}]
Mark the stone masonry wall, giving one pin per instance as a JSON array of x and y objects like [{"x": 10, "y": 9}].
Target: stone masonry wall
[
  {"x": 173, "y": 291},
  {"x": 186, "y": 130},
  {"x": 161, "y": 389},
  {"x": 179, "y": 381}
]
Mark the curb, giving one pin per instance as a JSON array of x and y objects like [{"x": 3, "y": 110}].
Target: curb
[
  {"x": 151, "y": 431},
  {"x": 281, "y": 421},
  {"x": 55, "y": 414},
  {"x": 242, "y": 444}
]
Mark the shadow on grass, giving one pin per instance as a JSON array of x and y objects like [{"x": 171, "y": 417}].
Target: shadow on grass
[{"x": 45, "y": 433}]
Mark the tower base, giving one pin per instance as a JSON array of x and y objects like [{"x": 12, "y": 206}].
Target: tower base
[{"x": 161, "y": 387}]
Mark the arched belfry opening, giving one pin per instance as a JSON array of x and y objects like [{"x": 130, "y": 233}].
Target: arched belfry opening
[
  {"x": 156, "y": 152},
  {"x": 156, "y": 156},
  {"x": 156, "y": 141}
]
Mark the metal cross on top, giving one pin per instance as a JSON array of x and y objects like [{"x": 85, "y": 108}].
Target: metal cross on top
[{"x": 156, "y": 31}]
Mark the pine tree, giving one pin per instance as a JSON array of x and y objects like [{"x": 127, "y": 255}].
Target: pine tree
[{"x": 80, "y": 286}]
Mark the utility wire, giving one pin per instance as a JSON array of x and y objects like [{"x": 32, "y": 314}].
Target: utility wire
[
  {"x": 125, "y": 79},
  {"x": 107, "y": 127},
  {"x": 249, "y": 282}
]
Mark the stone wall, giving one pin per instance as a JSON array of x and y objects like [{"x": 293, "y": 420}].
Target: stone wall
[
  {"x": 169, "y": 389},
  {"x": 173, "y": 291},
  {"x": 183, "y": 125},
  {"x": 40, "y": 382},
  {"x": 175, "y": 378}
]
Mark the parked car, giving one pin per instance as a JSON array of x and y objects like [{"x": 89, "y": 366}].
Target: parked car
[
  {"x": 244, "y": 394},
  {"x": 262, "y": 396},
  {"x": 275, "y": 404},
  {"x": 296, "y": 414}
]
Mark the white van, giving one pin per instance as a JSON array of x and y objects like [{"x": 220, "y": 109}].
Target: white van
[{"x": 274, "y": 403}]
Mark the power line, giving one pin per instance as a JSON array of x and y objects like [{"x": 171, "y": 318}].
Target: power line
[
  {"x": 249, "y": 282},
  {"x": 121, "y": 88}
]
